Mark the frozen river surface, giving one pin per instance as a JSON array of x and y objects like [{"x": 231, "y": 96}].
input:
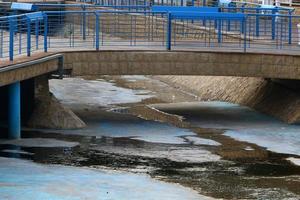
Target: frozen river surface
[
  {"x": 241, "y": 123},
  {"x": 23, "y": 180}
]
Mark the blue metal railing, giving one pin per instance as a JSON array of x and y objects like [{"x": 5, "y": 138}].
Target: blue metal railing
[{"x": 76, "y": 30}]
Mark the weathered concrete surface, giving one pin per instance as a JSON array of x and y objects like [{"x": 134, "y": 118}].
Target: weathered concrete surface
[
  {"x": 135, "y": 62},
  {"x": 48, "y": 112},
  {"x": 183, "y": 63},
  {"x": 258, "y": 93},
  {"x": 31, "y": 70}
]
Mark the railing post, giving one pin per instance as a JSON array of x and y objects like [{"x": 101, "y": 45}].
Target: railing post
[
  {"x": 290, "y": 27},
  {"x": 45, "y": 32},
  {"x": 1, "y": 43},
  {"x": 83, "y": 23},
  {"x": 245, "y": 33},
  {"x": 228, "y": 25},
  {"x": 28, "y": 37},
  {"x": 219, "y": 31},
  {"x": 273, "y": 24},
  {"x": 242, "y": 27},
  {"x": 36, "y": 34},
  {"x": 243, "y": 8},
  {"x": 169, "y": 32},
  {"x": 97, "y": 29},
  {"x": 257, "y": 23},
  {"x": 11, "y": 37}
]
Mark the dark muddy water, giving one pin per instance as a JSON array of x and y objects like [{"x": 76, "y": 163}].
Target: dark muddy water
[{"x": 138, "y": 126}]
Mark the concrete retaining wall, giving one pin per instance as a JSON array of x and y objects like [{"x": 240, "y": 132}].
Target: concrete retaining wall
[{"x": 263, "y": 95}]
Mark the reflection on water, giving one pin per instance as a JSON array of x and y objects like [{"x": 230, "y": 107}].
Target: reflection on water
[{"x": 135, "y": 128}]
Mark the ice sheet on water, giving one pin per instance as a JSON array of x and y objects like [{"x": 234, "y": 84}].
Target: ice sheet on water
[
  {"x": 22, "y": 179},
  {"x": 273, "y": 139},
  {"x": 202, "y": 141},
  {"x": 241, "y": 123},
  {"x": 139, "y": 129},
  {"x": 78, "y": 91}
]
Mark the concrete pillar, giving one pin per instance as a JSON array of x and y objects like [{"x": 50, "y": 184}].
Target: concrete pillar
[{"x": 14, "y": 111}]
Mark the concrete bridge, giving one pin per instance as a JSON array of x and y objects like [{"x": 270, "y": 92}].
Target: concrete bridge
[
  {"x": 135, "y": 43},
  {"x": 22, "y": 73}
]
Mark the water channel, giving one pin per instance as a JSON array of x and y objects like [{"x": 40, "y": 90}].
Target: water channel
[{"x": 148, "y": 140}]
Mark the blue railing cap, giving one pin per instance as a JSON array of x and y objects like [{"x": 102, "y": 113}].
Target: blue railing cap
[
  {"x": 23, "y": 6},
  {"x": 35, "y": 16}
]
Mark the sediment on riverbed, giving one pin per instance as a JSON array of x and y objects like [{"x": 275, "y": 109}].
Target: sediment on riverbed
[{"x": 264, "y": 95}]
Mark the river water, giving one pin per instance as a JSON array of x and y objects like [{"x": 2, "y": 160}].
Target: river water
[{"x": 147, "y": 140}]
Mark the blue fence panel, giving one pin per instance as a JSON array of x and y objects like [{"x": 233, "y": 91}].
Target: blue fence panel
[{"x": 158, "y": 29}]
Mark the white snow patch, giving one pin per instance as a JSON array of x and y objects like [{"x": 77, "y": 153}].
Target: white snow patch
[
  {"x": 201, "y": 141},
  {"x": 78, "y": 91},
  {"x": 22, "y": 179},
  {"x": 296, "y": 161}
]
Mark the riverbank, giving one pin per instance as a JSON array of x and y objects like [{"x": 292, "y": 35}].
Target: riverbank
[{"x": 271, "y": 97}]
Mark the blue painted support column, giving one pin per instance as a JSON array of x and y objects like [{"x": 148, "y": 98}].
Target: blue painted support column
[
  {"x": 14, "y": 111},
  {"x": 169, "y": 32}
]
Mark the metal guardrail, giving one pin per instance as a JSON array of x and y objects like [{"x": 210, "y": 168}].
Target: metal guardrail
[{"x": 92, "y": 30}]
